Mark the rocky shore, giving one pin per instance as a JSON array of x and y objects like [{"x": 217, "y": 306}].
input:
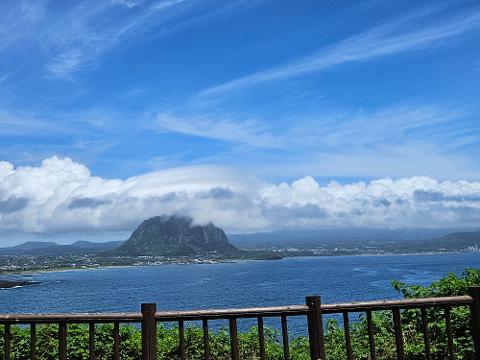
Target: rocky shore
[{"x": 7, "y": 284}]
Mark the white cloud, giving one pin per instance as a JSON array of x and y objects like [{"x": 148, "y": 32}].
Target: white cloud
[
  {"x": 394, "y": 124},
  {"x": 166, "y": 3},
  {"x": 19, "y": 20},
  {"x": 128, "y": 3},
  {"x": 70, "y": 37},
  {"x": 83, "y": 37},
  {"x": 381, "y": 41},
  {"x": 62, "y": 196},
  {"x": 248, "y": 131},
  {"x": 21, "y": 124},
  {"x": 401, "y": 140}
]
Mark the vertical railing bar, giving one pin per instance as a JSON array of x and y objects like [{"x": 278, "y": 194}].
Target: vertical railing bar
[
  {"x": 149, "y": 332},
  {"x": 7, "y": 338},
  {"x": 426, "y": 334},
  {"x": 206, "y": 343},
  {"x": 116, "y": 340},
  {"x": 286, "y": 353},
  {"x": 371, "y": 335},
  {"x": 397, "y": 325},
  {"x": 33, "y": 341},
  {"x": 261, "y": 338},
  {"x": 448, "y": 325},
  {"x": 234, "y": 339},
  {"x": 315, "y": 328},
  {"x": 474, "y": 292},
  {"x": 91, "y": 341},
  {"x": 181, "y": 339},
  {"x": 348, "y": 340},
  {"x": 62, "y": 340}
]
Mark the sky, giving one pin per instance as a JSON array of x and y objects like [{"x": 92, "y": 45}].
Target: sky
[{"x": 254, "y": 114}]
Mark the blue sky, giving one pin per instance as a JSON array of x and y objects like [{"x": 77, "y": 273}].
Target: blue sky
[{"x": 277, "y": 91}]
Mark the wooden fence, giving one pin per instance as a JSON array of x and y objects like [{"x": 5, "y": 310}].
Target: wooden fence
[{"x": 313, "y": 310}]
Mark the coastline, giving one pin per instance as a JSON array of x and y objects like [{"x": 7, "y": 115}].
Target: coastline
[
  {"x": 61, "y": 269},
  {"x": 4, "y": 275}
]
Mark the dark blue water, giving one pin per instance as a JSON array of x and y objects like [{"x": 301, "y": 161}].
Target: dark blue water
[{"x": 241, "y": 284}]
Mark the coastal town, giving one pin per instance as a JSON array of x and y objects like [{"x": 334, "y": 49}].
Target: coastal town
[{"x": 21, "y": 264}]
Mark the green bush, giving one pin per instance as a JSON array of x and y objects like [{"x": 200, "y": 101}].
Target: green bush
[{"x": 167, "y": 340}]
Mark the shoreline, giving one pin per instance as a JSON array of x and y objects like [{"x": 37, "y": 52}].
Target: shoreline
[
  {"x": 19, "y": 273},
  {"x": 62, "y": 269}
]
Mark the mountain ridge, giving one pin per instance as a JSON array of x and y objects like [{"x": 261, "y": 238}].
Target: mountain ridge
[
  {"x": 396, "y": 243},
  {"x": 40, "y": 248}
]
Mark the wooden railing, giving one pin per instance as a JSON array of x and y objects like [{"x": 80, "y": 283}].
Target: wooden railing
[{"x": 149, "y": 317}]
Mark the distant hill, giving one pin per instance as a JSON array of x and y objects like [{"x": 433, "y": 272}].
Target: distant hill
[
  {"x": 33, "y": 245},
  {"x": 39, "y": 248},
  {"x": 462, "y": 236},
  {"x": 458, "y": 240},
  {"x": 348, "y": 237},
  {"x": 363, "y": 240},
  {"x": 176, "y": 236}
]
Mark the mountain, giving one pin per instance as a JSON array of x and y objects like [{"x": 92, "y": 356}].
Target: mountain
[
  {"x": 462, "y": 236},
  {"x": 457, "y": 241},
  {"x": 363, "y": 240},
  {"x": 33, "y": 245},
  {"x": 39, "y": 248},
  {"x": 346, "y": 237},
  {"x": 463, "y": 239},
  {"x": 176, "y": 236}
]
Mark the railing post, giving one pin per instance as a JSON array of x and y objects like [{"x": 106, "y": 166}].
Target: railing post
[
  {"x": 149, "y": 332},
  {"x": 62, "y": 340},
  {"x": 234, "y": 352},
  {"x": 315, "y": 328},
  {"x": 474, "y": 292},
  {"x": 7, "y": 338}
]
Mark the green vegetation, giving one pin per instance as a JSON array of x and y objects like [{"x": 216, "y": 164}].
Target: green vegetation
[
  {"x": 130, "y": 348},
  {"x": 411, "y": 324}
]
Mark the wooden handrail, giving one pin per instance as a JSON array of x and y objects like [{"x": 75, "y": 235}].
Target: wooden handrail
[
  {"x": 293, "y": 310},
  {"x": 71, "y": 318},
  {"x": 313, "y": 310},
  {"x": 401, "y": 304}
]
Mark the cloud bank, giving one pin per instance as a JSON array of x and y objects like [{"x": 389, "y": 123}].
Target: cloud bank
[{"x": 61, "y": 196}]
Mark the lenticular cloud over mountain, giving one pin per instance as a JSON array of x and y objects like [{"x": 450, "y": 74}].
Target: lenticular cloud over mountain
[{"x": 62, "y": 196}]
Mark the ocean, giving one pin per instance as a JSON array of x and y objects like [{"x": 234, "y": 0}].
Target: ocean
[
  {"x": 238, "y": 284},
  {"x": 230, "y": 285}
]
